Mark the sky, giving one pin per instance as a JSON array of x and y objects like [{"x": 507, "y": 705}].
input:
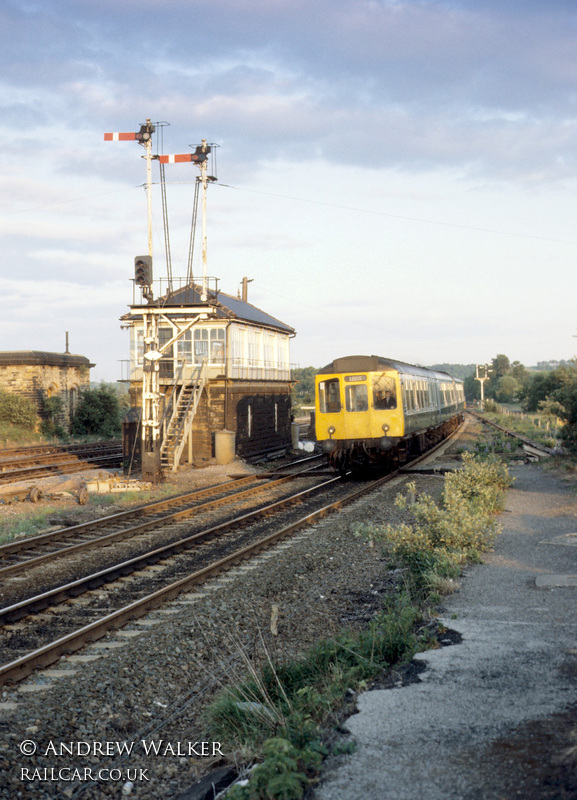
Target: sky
[{"x": 396, "y": 177}]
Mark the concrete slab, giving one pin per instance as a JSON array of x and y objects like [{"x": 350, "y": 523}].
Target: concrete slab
[
  {"x": 567, "y": 539},
  {"x": 555, "y": 580}
]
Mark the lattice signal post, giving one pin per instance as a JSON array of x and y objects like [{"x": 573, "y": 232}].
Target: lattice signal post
[
  {"x": 200, "y": 158},
  {"x": 151, "y": 396}
]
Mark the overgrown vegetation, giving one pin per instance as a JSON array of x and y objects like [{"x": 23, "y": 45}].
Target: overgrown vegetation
[
  {"x": 50, "y": 425},
  {"x": 18, "y": 418},
  {"x": 99, "y": 413},
  {"x": 280, "y": 711},
  {"x": 25, "y": 524},
  {"x": 535, "y": 428},
  {"x": 443, "y": 537}
]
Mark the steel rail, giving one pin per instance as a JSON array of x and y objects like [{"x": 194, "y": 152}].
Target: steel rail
[
  {"x": 62, "y": 467},
  {"x": 31, "y": 542},
  {"x": 48, "y": 654},
  {"x": 541, "y": 447},
  {"x": 75, "y": 588},
  {"x": 143, "y": 527},
  {"x": 29, "y": 451}
]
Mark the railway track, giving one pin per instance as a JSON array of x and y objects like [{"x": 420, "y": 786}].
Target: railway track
[
  {"x": 37, "y": 630},
  {"x": 540, "y": 448},
  {"x": 20, "y": 464}
]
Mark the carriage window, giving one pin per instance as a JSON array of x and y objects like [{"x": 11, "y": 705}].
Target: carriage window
[
  {"x": 329, "y": 396},
  {"x": 408, "y": 396},
  {"x": 357, "y": 397}
]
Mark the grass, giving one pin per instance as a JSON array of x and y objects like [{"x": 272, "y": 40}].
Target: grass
[
  {"x": 25, "y": 524},
  {"x": 531, "y": 427},
  {"x": 278, "y": 713},
  {"x": 17, "y": 436}
]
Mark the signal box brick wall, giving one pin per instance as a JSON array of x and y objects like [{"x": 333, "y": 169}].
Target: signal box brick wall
[
  {"x": 258, "y": 412},
  {"x": 37, "y": 375}
]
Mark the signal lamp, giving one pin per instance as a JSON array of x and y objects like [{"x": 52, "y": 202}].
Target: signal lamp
[{"x": 143, "y": 270}]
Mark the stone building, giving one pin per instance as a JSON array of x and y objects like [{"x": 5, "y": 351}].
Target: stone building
[
  {"x": 222, "y": 365},
  {"x": 37, "y": 375}
]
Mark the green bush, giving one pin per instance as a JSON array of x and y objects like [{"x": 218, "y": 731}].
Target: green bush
[
  {"x": 53, "y": 408},
  {"x": 99, "y": 413},
  {"x": 16, "y": 410},
  {"x": 443, "y": 537}
]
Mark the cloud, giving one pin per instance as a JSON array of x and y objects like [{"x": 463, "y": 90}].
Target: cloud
[{"x": 407, "y": 83}]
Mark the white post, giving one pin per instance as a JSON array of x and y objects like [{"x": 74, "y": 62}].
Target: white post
[
  {"x": 203, "y": 173},
  {"x": 482, "y": 382},
  {"x": 148, "y": 157}
]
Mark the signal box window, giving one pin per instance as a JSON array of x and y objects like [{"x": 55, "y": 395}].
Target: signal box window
[
  {"x": 329, "y": 396},
  {"x": 357, "y": 397}
]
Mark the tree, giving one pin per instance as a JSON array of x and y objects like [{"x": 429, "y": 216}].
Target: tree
[
  {"x": 540, "y": 386},
  {"x": 506, "y": 389},
  {"x": 563, "y": 402},
  {"x": 99, "y": 413},
  {"x": 303, "y": 392},
  {"x": 472, "y": 388},
  {"x": 500, "y": 366}
]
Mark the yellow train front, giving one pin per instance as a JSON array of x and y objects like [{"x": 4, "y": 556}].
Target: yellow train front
[{"x": 372, "y": 411}]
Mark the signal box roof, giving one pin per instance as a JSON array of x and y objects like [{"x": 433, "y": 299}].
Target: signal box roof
[{"x": 226, "y": 306}]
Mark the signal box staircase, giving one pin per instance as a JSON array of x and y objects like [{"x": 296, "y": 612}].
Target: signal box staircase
[{"x": 176, "y": 423}]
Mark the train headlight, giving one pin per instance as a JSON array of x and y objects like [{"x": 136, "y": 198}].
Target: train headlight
[
  {"x": 331, "y": 430},
  {"x": 385, "y": 428}
]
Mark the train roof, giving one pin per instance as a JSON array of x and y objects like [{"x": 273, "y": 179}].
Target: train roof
[{"x": 377, "y": 363}]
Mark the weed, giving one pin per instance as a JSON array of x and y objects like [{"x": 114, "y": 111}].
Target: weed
[
  {"x": 278, "y": 712},
  {"x": 25, "y": 525},
  {"x": 291, "y": 702},
  {"x": 443, "y": 537}
]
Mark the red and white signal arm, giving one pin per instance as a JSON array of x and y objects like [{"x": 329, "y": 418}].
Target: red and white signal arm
[
  {"x": 119, "y": 137},
  {"x": 180, "y": 158}
]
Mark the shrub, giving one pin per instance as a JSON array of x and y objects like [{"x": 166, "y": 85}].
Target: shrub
[
  {"x": 52, "y": 407},
  {"x": 443, "y": 537},
  {"x": 16, "y": 410}
]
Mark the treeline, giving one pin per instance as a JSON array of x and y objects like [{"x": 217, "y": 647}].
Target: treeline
[{"x": 552, "y": 393}]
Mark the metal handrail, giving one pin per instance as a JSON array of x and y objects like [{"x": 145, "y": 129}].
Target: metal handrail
[{"x": 198, "y": 382}]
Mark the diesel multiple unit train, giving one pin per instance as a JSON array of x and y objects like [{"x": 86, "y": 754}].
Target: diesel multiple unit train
[{"x": 373, "y": 411}]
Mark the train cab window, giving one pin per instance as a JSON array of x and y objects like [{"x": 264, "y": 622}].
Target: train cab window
[
  {"x": 329, "y": 396},
  {"x": 384, "y": 392},
  {"x": 357, "y": 397}
]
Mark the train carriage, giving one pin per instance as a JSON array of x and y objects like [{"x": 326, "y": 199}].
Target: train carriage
[{"x": 373, "y": 411}]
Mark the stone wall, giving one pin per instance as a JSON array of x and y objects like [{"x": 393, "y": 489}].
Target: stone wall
[{"x": 37, "y": 376}]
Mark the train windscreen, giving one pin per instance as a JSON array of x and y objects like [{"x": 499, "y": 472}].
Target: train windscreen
[{"x": 329, "y": 396}]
